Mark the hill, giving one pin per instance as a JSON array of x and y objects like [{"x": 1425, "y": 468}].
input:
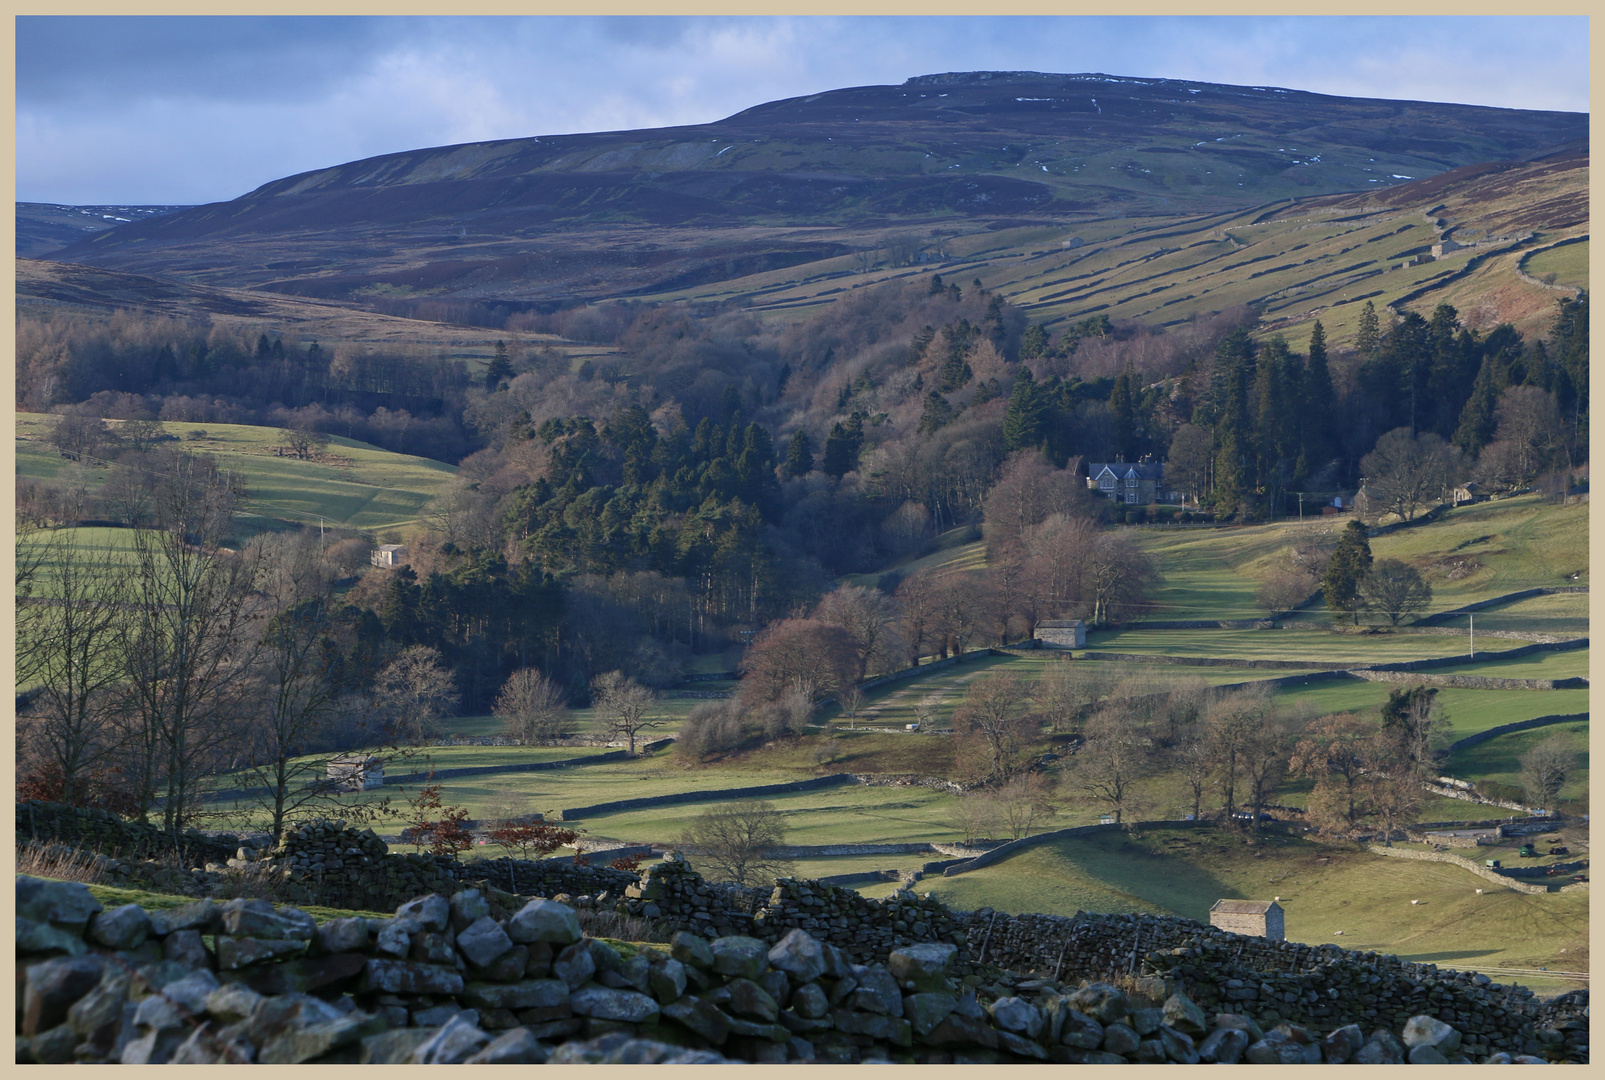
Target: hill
[
  {"x": 93, "y": 292},
  {"x": 46, "y": 227},
  {"x": 799, "y": 180}
]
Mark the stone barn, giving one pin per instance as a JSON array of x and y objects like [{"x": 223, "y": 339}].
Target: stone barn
[
  {"x": 388, "y": 555},
  {"x": 1061, "y": 634},
  {"x": 356, "y": 772},
  {"x": 1257, "y": 918}
]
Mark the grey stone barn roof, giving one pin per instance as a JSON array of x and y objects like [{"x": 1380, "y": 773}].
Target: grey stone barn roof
[
  {"x": 1244, "y": 907},
  {"x": 1058, "y": 624}
]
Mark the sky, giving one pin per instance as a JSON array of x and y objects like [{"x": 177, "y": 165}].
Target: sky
[{"x": 183, "y": 110}]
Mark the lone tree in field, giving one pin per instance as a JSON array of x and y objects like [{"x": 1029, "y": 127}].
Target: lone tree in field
[
  {"x": 531, "y": 708},
  {"x": 624, "y": 705},
  {"x": 1394, "y": 589},
  {"x": 1117, "y": 754},
  {"x": 735, "y": 842},
  {"x": 1350, "y": 562},
  {"x": 993, "y": 732},
  {"x": 1284, "y": 589},
  {"x": 1545, "y": 769}
]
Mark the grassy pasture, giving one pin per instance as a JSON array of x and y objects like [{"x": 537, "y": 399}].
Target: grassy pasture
[
  {"x": 1321, "y": 648},
  {"x": 1560, "y": 614},
  {"x": 1543, "y": 665},
  {"x": 1568, "y": 264},
  {"x": 1508, "y": 545},
  {"x": 1467, "y": 711},
  {"x": 1323, "y": 889},
  {"x": 1500, "y": 759},
  {"x": 1513, "y": 544},
  {"x": 360, "y": 486},
  {"x": 844, "y": 815}
]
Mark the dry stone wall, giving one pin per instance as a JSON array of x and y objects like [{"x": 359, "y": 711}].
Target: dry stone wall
[
  {"x": 105, "y": 832},
  {"x": 1321, "y": 989},
  {"x": 460, "y": 980}
]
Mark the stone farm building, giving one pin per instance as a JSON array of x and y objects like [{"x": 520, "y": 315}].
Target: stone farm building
[
  {"x": 1060, "y": 634},
  {"x": 356, "y": 772},
  {"x": 1133, "y": 483},
  {"x": 388, "y": 555},
  {"x": 1258, "y": 918}
]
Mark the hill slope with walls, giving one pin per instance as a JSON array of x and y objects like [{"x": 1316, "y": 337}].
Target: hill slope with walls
[{"x": 804, "y": 179}]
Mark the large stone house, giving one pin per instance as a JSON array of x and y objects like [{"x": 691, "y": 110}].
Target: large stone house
[{"x": 1132, "y": 483}]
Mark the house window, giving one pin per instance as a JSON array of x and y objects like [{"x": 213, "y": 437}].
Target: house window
[
  {"x": 1131, "y": 496},
  {"x": 1107, "y": 483}
]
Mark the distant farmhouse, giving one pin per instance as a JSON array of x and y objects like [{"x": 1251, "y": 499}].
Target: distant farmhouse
[
  {"x": 1133, "y": 483},
  {"x": 1060, "y": 634},
  {"x": 388, "y": 555},
  {"x": 1257, "y": 918},
  {"x": 356, "y": 772}
]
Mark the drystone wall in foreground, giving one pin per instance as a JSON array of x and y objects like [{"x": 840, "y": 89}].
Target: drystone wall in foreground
[{"x": 455, "y": 981}]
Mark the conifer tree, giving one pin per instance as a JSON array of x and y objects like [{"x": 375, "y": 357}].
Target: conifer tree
[
  {"x": 799, "y": 455},
  {"x": 1034, "y": 342},
  {"x": 1351, "y": 561},
  {"x": 841, "y": 448},
  {"x": 1124, "y": 412},
  {"x": 1477, "y": 422},
  {"x": 1316, "y": 425},
  {"x": 937, "y": 413},
  {"x": 1025, "y": 420},
  {"x": 1369, "y": 337},
  {"x": 500, "y": 368}
]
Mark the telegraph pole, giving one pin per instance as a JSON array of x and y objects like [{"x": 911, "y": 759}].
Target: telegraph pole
[{"x": 1473, "y": 637}]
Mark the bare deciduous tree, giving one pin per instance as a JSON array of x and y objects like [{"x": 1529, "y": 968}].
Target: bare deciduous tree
[
  {"x": 1282, "y": 589},
  {"x": 815, "y": 658},
  {"x": 188, "y": 656},
  {"x": 300, "y": 686},
  {"x": 870, "y": 617},
  {"x": 1117, "y": 754},
  {"x": 976, "y": 815},
  {"x": 1068, "y": 688},
  {"x": 1337, "y": 752},
  {"x": 993, "y": 733},
  {"x": 624, "y": 705},
  {"x": 531, "y": 708},
  {"x": 1545, "y": 769},
  {"x": 1529, "y": 423},
  {"x": 411, "y": 692},
  {"x": 736, "y": 842},
  {"x": 1023, "y": 802},
  {"x": 72, "y": 642},
  {"x": 1406, "y": 473},
  {"x": 1394, "y": 589},
  {"x": 918, "y": 609}
]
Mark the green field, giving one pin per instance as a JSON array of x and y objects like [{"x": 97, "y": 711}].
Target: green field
[
  {"x": 1321, "y": 647},
  {"x": 1323, "y": 889},
  {"x": 1467, "y": 711},
  {"x": 1472, "y": 553},
  {"x": 360, "y": 486},
  {"x": 1560, "y": 615},
  {"x": 1509, "y": 545},
  {"x": 1499, "y": 759},
  {"x": 1566, "y": 265},
  {"x": 1543, "y": 665}
]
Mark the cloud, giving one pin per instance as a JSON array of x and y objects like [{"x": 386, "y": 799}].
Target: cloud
[{"x": 177, "y": 109}]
